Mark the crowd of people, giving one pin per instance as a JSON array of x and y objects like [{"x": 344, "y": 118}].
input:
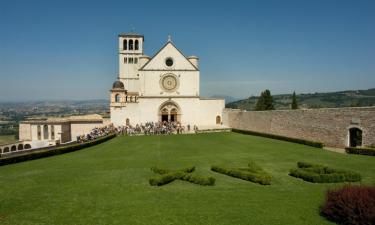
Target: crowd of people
[
  {"x": 96, "y": 133},
  {"x": 149, "y": 128}
]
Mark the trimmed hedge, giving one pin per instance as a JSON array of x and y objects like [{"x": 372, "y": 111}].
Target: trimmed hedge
[
  {"x": 164, "y": 171},
  {"x": 51, "y": 152},
  {"x": 185, "y": 174},
  {"x": 252, "y": 173},
  {"x": 321, "y": 174},
  {"x": 350, "y": 205},
  {"x": 195, "y": 179},
  {"x": 282, "y": 138},
  {"x": 361, "y": 151}
]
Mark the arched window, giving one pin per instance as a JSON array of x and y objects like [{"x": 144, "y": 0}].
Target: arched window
[
  {"x": 135, "y": 60},
  {"x": 355, "y": 137},
  {"x": 125, "y": 45},
  {"x": 136, "y": 45},
  {"x": 13, "y": 148},
  {"x": 131, "y": 45},
  {"x": 117, "y": 98},
  {"x": 45, "y": 132},
  {"x": 218, "y": 119},
  {"x": 20, "y": 147},
  {"x": 131, "y": 60},
  {"x": 27, "y": 146},
  {"x": 6, "y": 149},
  {"x": 125, "y": 60},
  {"x": 52, "y": 132},
  {"x": 39, "y": 131}
]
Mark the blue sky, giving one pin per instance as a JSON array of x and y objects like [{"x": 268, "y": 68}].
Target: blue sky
[{"x": 68, "y": 49}]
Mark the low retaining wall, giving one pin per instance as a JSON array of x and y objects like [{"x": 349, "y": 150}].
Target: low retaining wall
[{"x": 329, "y": 126}]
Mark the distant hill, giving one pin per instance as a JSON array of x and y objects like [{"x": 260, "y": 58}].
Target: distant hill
[
  {"x": 339, "y": 99},
  {"x": 228, "y": 99}
]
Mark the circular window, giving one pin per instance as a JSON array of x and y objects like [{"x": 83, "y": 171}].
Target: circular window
[
  {"x": 169, "y": 82},
  {"x": 169, "y": 62}
]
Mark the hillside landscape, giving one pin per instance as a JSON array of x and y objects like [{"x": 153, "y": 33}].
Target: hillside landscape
[{"x": 351, "y": 98}]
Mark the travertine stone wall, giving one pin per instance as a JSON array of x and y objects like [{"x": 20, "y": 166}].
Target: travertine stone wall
[{"x": 330, "y": 126}]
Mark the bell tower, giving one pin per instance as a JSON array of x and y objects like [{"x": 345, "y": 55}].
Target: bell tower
[{"x": 130, "y": 51}]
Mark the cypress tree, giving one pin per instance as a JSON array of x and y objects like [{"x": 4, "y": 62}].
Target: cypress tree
[
  {"x": 265, "y": 101},
  {"x": 294, "y": 101}
]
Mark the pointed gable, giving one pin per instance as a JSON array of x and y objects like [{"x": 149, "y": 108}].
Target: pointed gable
[{"x": 158, "y": 61}]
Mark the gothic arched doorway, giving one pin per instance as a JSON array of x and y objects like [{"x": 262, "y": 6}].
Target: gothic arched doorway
[
  {"x": 170, "y": 112},
  {"x": 355, "y": 137}
]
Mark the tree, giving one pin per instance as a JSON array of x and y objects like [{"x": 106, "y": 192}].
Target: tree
[
  {"x": 265, "y": 101},
  {"x": 294, "y": 101}
]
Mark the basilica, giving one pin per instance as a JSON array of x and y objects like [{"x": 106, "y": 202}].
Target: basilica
[{"x": 164, "y": 87}]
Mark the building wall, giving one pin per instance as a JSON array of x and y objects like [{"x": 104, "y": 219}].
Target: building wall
[
  {"x": 188, "y": 83},
  {"x": 330, "y": 126},
  {"x": 194, "y": 111},
  {"x": 83, "y": 128},
  {"x": 24, "y": 132}
]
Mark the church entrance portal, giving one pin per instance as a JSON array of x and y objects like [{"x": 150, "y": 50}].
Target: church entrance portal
[{"x": 169, "y": 112}]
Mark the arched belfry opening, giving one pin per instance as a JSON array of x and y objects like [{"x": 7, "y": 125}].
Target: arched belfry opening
[
  {"x": 169, "y": 112},
  {"x": 355, "y": 137}
]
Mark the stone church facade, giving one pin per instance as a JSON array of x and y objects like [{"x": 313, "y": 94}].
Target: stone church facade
[{"x": 164, "y": 87}]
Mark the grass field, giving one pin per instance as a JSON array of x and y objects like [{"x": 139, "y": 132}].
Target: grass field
[
  {"x": 4, "y": 139},
  {"x": 108, "y": 183}
]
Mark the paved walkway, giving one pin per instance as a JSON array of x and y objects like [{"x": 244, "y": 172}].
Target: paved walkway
[{"x": 332, "y": 149}]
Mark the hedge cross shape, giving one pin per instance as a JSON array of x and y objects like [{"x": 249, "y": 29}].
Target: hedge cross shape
[
  {"x": 186, "y": 174},
  {"x": 316, "y": 173},
  {"x": 252, "y": 173}
]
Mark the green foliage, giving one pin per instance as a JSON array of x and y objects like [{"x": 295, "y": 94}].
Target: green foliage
[
  {"x": 185, "y": 174},
  {"x": 283, "y": 138},
  {"x": 252, "y": 173},
  {"x": 361, "y": 151},
  {"x": 164, "y": 171},
  {"x": 313, "y": 100},
  {"x": 321, "y": 174},
  {"x": 265, "y": 101},
  {"x": 350, "y": 205},
  {"x": 294, "y": 101},
  {"x": 37, "y": 154}
]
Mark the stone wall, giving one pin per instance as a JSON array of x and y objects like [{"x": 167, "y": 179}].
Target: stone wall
[{"x": 330, "y": 126}]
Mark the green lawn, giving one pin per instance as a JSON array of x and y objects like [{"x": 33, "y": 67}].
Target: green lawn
[
  {"x": 5, "y": 139},
  {"x": 108, "y": 183}
]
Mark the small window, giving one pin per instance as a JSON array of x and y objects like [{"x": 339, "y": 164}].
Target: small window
[
  {"x": 125, "y": 45},
  {"x": 117, "y": 98},
  {"x": 27, "y": 146},
  {"x": 136, "y": 45},
  {"x": 169, "y": 62},
  {"x": 135, "y": 60},
  {"x": 130, "y": 60},
  {"x": 125, "y": 60},
  {"x": 131, "y": 45}
]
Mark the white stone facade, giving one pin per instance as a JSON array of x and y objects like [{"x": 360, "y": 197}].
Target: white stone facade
[{"x": 162, "y": 88}]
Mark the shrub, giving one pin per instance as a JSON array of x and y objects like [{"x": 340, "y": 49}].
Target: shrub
[
  {"x": 321, "y": 174},
  {"x": 351, "y": 205},
  {"x": 165, "y": 178},
  {"x": 283, "y": 138},
  {"x": 361, "y": 151},
  {"x": 192, "y": 178},
  {"x": 164, "y": 171},
  {"x": 37, "y": 154},
  {"x": 185, "y": 174},
  {"x": 253, "y": 173}
]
